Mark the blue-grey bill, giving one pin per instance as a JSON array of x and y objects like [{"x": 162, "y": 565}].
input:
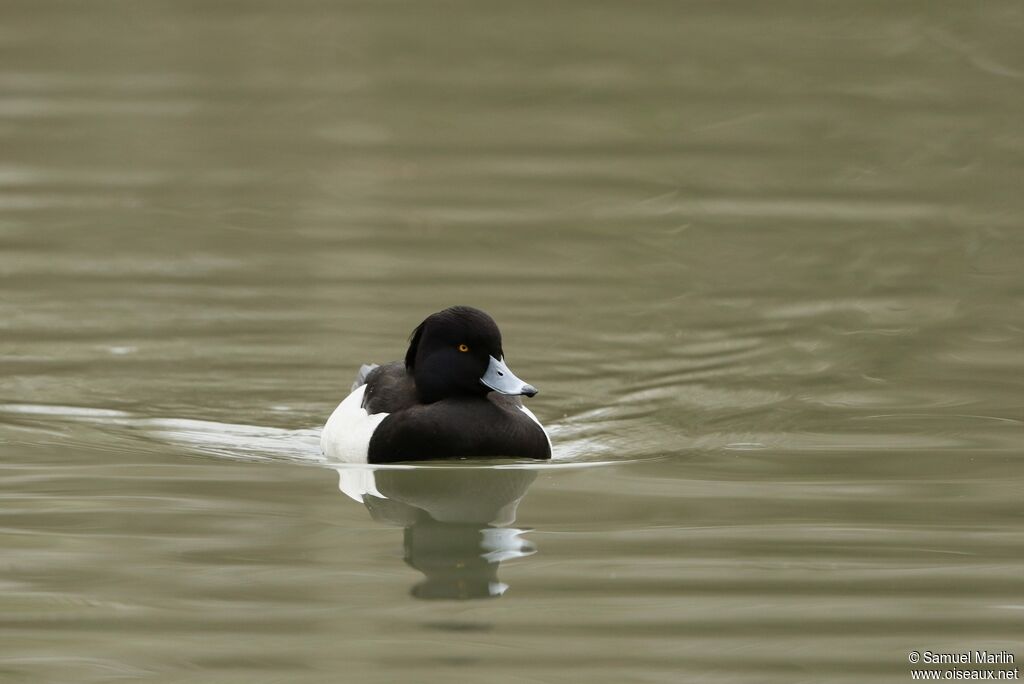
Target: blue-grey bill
[{"x": 500, "y": 379}]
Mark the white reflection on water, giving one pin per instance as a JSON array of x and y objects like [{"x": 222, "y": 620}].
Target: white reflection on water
[{"x": 457, "y": 524}]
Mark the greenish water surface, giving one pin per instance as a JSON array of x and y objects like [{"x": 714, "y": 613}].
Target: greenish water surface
[{"x": 763, "y": 261}]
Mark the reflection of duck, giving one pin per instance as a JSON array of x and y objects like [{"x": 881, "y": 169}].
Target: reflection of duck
[
  {"x": 452, "y": 397},
  {"x": 456, "y": 522}
]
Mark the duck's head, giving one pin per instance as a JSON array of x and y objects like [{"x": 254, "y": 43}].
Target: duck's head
[{"x": 457, "y": 353}]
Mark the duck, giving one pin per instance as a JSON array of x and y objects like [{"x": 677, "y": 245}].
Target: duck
[{"x": 452, "y": 397}]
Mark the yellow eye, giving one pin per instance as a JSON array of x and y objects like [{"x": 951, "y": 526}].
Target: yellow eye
[{"x": 463, "y": 348}]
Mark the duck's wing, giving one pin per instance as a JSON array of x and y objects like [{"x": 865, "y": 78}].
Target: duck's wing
[
  {"x": 389, "y": 388},
  {"x": 364, "y": 372}
]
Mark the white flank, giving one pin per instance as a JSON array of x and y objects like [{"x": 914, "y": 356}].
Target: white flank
[
  {"x": 534, "y": 419},
  {"x": 346, "y": 436}
]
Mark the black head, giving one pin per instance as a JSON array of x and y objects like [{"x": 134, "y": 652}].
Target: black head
[{"x": 451, "y": 352}]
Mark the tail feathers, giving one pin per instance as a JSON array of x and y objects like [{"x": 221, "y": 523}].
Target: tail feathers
[{"x": 364, "y": 371}]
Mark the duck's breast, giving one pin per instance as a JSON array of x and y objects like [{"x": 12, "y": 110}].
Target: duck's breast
[{"x": 460, "y": 428}]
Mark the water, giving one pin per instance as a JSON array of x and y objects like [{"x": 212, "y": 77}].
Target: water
[{"x": 763, "y": 263}]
